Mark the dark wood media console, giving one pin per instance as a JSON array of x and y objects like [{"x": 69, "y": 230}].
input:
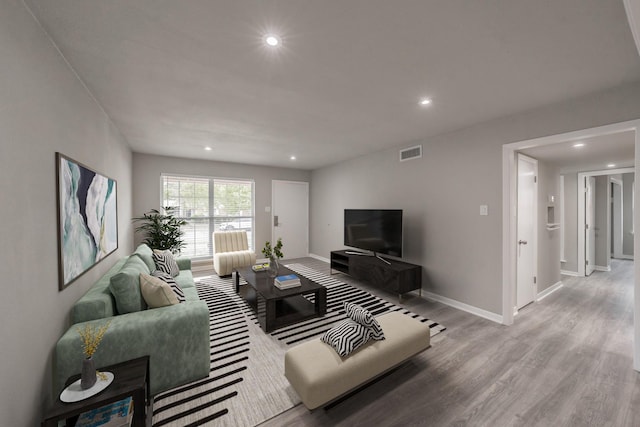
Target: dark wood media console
[{"x": 399, "y": 277}]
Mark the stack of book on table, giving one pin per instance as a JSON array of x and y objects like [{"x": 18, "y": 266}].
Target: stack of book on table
[{"x": 286, "y": 282}]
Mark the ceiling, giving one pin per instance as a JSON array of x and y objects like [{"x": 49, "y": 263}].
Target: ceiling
[
  {"x": 178, "y": 76},
  {"x": 596, "y": 154}
]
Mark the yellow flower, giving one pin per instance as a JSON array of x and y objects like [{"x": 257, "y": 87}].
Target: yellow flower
[{"x": 91, "y": 337}]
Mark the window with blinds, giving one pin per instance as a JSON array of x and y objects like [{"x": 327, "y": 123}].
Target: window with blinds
[{"x": 208, "y": 205}]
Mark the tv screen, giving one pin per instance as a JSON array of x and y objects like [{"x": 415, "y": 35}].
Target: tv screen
[{"x": 375, "y": 230}]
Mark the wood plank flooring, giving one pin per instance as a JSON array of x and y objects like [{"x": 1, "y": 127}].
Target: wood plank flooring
[{"x": 567, "y": 361}]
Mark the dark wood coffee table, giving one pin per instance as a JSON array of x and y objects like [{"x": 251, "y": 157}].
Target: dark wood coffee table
[{"x": 277, "y": 308}]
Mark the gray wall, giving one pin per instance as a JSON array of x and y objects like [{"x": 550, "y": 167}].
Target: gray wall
[
  {"x": 603, "y": 214},
  {"x": 570, "y": 223},
  {"x": 548, "y": 240},
  {"x": 44, "y": 109},
  {"x": 627, "y": 218},
  {"x": 148, "y": 168},
  {"x": 461, "y": 251}
]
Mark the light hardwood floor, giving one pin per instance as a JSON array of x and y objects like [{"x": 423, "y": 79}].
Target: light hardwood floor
[{"x": 567, "y": 361}]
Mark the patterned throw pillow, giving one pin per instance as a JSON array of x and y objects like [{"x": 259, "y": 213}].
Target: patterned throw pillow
[
  {"x": 166, "y": 278},
  {"x": 365, "y": 318},
  {"x": 166, "y": 263},
  {"x": 346, "y": 336}
]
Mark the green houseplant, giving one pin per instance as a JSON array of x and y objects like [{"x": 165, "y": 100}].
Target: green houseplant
[
  {"x": 273, "y": 254},
  {"x": 162, "y": 230}
]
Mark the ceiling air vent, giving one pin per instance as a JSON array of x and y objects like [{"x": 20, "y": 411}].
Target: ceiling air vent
[{"x": 411, "y": 153}]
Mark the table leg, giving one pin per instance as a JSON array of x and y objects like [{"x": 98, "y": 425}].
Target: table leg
[
  {"x": 321, "y": 301},
  {"x": 139, "y": 408}
]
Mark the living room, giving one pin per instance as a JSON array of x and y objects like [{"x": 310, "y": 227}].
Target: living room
[{"x": 49, "y": 107}]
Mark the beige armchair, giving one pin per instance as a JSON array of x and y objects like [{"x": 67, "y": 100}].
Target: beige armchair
[{"x": 230, "y": 251}]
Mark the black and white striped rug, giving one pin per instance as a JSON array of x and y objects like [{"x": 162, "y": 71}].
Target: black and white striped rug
[{"x": 246, "y": 384}]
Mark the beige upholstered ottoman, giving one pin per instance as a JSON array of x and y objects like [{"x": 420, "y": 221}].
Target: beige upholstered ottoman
[{"x": 320, "y": 376}]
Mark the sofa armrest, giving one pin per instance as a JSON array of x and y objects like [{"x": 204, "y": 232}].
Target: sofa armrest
[
  {"x": 176, "y": 338},
  {"x": 184, "y": 263}
]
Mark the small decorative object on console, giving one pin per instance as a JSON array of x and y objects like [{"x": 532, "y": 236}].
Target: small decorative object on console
[{"x": 91, "y": 337}]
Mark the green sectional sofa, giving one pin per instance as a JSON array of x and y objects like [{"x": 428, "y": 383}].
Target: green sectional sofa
[{"x": 175, "y": 337}]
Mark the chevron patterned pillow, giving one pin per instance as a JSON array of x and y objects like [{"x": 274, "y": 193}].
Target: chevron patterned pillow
[
  {"x": 166, "y": 263},
  {"x": 166, "y": 278},
  {"x": 346, "y": 336},
  {"x": 365, "y": 318}
]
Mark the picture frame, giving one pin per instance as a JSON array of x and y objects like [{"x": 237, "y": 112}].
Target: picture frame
[{"x": 87, "y": 205}]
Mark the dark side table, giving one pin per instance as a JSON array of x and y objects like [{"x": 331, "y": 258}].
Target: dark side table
[{"x": 130, "y": 378}]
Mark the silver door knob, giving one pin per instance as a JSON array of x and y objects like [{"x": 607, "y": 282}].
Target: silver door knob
[{"x": 522, "y": 242}]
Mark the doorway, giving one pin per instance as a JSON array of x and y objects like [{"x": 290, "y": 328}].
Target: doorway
[
  {"x": 587, "y": 238},
  {"x": 509, "y": 216}
]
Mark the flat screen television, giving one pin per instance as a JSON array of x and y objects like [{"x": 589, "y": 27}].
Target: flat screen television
[{"x": 375, "y": 230}]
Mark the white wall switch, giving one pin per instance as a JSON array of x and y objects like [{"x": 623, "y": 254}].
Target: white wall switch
[
  {"x": 484, "y": 210},
  {"x": 267, "y": 209}
]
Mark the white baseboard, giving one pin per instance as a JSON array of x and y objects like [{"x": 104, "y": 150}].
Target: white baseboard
[
  {"x": 464, "y": 307},
  {"x": 569, "y": 273},
  {"x": 327, "y": 260},
  {"x": 625, "y": 256},
  {"x": 601, "y": 268},
  {"x": 551, "y": 289}
]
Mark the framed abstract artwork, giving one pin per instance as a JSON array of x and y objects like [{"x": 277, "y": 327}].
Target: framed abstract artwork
[{"x": 87, "y": 218}]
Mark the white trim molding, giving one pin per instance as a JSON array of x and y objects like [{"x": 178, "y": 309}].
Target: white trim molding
[
  {"x": 601, "y": 268},
  {"x": 321, "y": 258},
  {"x": 569, "y": 273},
  {"x": 464, "y": 307},
  {"x": 551, "y": 289}
]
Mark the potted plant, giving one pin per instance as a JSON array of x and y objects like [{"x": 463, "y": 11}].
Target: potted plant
[
  {"x": 163, "y": 230},
  {"x": 273, "y": 254}
]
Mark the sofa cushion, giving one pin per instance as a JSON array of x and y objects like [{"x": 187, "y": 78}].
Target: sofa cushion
[
  {"x": 166, "y": 278},
  {"x": 146, "y": 254},
  {"x": 125, "y": 286},
  {"x": 185, "y": 279},
  {"x": 365, "y": 318},
  {"x": 156, "y": 292},
  {"x": 165, "y": 262},
  {"x": 346, "y": 336}
]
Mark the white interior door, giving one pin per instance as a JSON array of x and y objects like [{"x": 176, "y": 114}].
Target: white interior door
[
  {"x": 526, "y": 230},
  {"x": 589, "y": 224},
  {"x": 290, "y": 217}
]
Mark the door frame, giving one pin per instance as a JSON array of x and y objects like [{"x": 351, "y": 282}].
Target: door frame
[
  {"x": 509, "y": 210},
  {"x": 581, "y": 208},
  {"x": 616, "y": 235},
  {"x": 534, "y": 240}
]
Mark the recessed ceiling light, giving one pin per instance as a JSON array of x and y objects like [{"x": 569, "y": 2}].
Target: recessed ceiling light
[
  {"x": 578, "y": 145},
  {"x": 611, "y": 165},
  {"x": 292, "y": 158},
  {"x": 272, "y": 40},
  {"x": 208, "y": 148},
  {"x": 425, "y": 101}
]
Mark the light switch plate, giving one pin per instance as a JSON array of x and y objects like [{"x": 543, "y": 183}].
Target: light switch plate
[{"x": 484, "y": 210}]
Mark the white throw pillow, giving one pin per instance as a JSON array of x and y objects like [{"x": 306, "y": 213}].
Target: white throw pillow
[{"x": 155, "y": 292}]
